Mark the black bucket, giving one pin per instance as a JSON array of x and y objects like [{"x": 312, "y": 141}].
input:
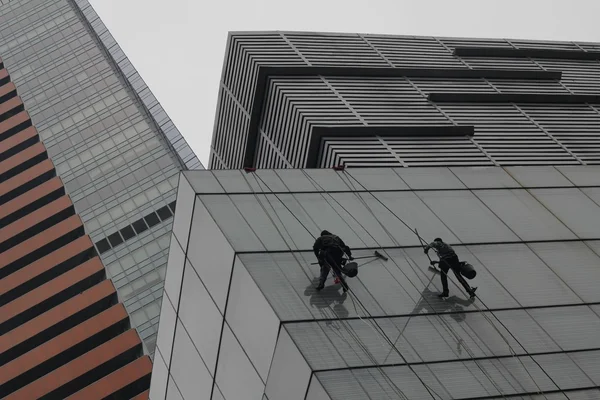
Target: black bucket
[
  {"x": 350, "y": 269},
  {"x": 467, "y": 270}
]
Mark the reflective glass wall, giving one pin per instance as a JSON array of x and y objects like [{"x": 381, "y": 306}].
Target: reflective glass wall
[
  {"x": 113, "y": 145},
  {"x": 244, "y": 321}
]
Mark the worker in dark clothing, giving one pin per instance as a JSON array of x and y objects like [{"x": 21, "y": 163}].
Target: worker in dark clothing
[
  {"x": 330, "y": 250},
  {"x": 448, "y": 261}
]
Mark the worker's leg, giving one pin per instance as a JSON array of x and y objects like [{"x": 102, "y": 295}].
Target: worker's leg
[
  {"x": 462, "y": 280},
  {"x": 456, "y": 267},
  {"x": 334, "y": 261},
  {"x": 444, "y": 267},
  {"x": 324, "y": 273}
]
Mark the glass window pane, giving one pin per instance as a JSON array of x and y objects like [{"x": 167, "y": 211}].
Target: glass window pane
[
  {"x": 484, "y": 177},
  {"x": 582, "y": 175},
  {"x": 188, "y": 369},
  {"x": 173, "y": 392},
  {"x": 538, "y": 176},
  {"x": 523, "y": 274},
  {"x": 410, "y": 209},
  {"x": 210, "y": 253},
  {"x": 201, "y": 318},
  {"x": 589, "y": 362},
  {"x": 573, "y": 208},
  {"x": 290, "y": 374},
  {"x": 266, "y": 180},
  {"x": 575, "y": 263},
  {"x": 295, "y": 180},
  {"x": 166, "y": 328},
  {"x": 467, "y": 217},
  {"x": 203, "y": 181},
  {"x": 593, "y": 193},
  {"x": 316, "y": 390},
  {"x": 328, "y": 179},
  {"x": 370, "y": 383},
  {"x": 524, "y": 215},
  {"x": 252, "y": 319},
  {"x": 224, "y": 212},
  {"x": 467, "y": 379},
  {"x": 573, "y": 328},
  {"x": 236, "y": 377},
  {"x": 174, "y": 269},
  {"x": 374, "y": 179},
  {"x": 233, "y": 181},
  {"x": 258, "y": 214},
  {"x": 159, "y": 378},
  {"x": 183, "y": 217},
  {"x": 526, "y": 331},
  {"x": 563, "y": 371},
  {"x": 429, "y": 178}
]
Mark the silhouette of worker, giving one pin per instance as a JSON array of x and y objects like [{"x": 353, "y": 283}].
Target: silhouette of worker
[
  {"x": 330, "y": 250},
  {"x": 448, "y": 261}
]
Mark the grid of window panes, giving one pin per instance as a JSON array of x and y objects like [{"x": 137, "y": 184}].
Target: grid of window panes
[
  {"x": 244, "y": 258},
  {"x": 113, "y": 159}
]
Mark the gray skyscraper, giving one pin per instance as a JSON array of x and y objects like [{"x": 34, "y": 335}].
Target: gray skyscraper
[
  {"x": 487, "y": 144},
  {"x": 292, "y": 99},
  {"x": 113, "y": 145}
]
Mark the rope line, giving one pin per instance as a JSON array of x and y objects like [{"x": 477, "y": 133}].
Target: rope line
[{"x": 540, "y": 391}]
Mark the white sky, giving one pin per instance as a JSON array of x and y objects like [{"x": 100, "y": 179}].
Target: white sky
[{"x": 178, "y": 46}]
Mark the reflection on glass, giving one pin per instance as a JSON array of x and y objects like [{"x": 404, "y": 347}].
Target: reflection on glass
[
  {"x": 575, "y": 263},
  {"x": 524, "y": 275},
  {"x": 467, "y": 217},
  {"x": 429, "y": 178},
  {"x": 576, "y": 210},
  {"x": 524, "y": 215},
  {"x": 374, "y": 179},
  {"x": 484, "y": 177},
  {"x": 538, "y": 176}
]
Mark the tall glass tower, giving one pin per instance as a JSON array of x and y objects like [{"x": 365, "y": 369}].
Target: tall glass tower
[{"x": 114, "y": 147}]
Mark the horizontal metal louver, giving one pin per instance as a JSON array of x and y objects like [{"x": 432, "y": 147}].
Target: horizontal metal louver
[
  {"x": 292, "y": 105},
  {"x": 336, "y": 50},
  {"x": 414, "y": 52}
]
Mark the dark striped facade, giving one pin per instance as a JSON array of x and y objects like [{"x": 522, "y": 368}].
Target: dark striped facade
[
  {"x": 63, "y": 332},
  {"x": 307, "y": 100}
]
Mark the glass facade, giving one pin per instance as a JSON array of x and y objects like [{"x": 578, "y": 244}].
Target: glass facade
[
  {"x": 246, "y": 306},
  {"x": 113, "y": 146}
]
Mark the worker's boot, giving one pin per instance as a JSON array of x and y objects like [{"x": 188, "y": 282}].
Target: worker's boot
[
  {"x": 320, "y": 286},
  {"x": 443, "y": 294}
]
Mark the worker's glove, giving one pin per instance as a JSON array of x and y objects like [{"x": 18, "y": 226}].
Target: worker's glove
[
  {"x": 350, "y": 258},
  {"x": 425, "y": 251}
]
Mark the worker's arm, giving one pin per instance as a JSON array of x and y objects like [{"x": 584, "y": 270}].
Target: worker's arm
[
  {"x": 432, "y": 245},
  {"x": 346, "y": 248},
  {"x": 317, "y": 247}
]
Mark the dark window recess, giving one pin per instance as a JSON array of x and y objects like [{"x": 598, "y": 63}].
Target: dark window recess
[
  {"x": 152, "y": 219},
  {"x": 139, "y": 226},
  {"x": 172, "y": 206},
  {"x": 115, "y": 239},
  {"x": 103, "y": 246},
  {"x": 164, "y": 213},
  {"x": 127, "y": 232}
]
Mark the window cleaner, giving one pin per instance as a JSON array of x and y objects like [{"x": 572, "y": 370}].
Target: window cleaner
[
  {"x": 449, "y": 261},
  {"x": 330, "y": 251}
]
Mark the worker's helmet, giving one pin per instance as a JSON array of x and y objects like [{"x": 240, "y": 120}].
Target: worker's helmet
[
  {"x": 323, "y": 233},
  {"x": 437, "y": 240}
]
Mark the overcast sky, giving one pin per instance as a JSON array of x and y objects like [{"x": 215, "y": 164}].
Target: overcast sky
[{"x": 178, "y": 46}]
